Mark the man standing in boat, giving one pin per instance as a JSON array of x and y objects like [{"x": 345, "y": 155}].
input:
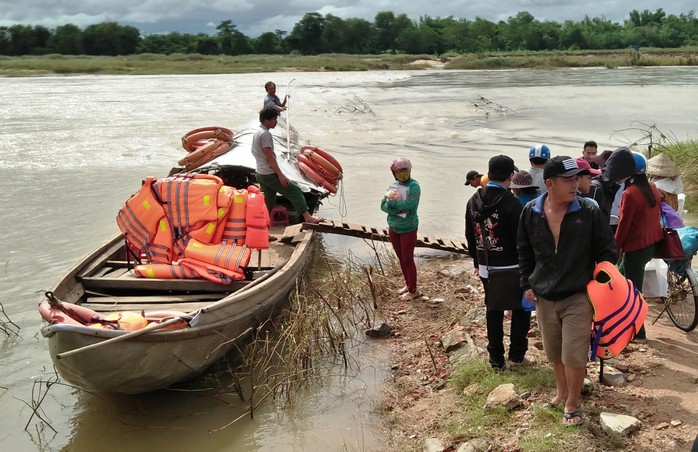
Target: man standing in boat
[
  {"x": 269, "y": 175},
  {"x": 272, "y": 100}
]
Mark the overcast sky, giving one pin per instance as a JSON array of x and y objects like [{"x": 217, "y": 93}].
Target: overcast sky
[{"x": 253, "y": 17}]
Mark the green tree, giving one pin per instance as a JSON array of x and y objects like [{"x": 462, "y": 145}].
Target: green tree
[
  {"x": 361, "y": 36},
  {"x": 307, "y": 35},
  {"x": 417, "y": 40},
  {"x": 67, "y": 40},
  {"x": 225, "y": 37},
  {"x": 388, "y": 27},
  {"x": 110, "y": 38},
  {"x": 267, "y": 43},
  {"x": 206, "y": 45}
]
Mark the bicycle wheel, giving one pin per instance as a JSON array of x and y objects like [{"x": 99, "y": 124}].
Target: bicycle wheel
[{"x": 682, "y": 305}]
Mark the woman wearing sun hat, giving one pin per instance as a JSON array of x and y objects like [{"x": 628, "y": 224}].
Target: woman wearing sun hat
[{"x": 523, "y": 188}]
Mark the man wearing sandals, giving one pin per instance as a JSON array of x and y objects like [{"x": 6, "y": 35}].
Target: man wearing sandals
[
  {"x": 270, "y": 177},
  {"x": 561, "y": 237}
]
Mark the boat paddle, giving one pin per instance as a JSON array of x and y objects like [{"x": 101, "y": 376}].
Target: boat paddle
[{"x": 130, "y": 335}]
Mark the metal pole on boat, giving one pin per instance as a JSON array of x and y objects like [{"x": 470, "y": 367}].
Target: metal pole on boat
[{"x": 288, "y": 116}]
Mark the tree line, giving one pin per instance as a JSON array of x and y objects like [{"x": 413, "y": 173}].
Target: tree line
[{"x": 388, "y": 33}]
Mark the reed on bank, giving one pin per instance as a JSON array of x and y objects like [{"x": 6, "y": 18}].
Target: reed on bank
[{"x": 152, "y": 64}]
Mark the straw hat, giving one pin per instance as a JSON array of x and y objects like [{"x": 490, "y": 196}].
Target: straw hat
[{"x": 662, "y": 166}]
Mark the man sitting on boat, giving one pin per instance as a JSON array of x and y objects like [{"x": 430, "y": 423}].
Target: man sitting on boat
[{"x": 269, "y": 175}]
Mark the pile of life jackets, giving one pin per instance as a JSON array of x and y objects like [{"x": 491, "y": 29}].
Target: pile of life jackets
[{"x": 193, "y": 226}]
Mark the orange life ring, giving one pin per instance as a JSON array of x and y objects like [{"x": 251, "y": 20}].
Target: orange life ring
[
  {"x": 330, "y": 167},
  {"x": 303, "y": 164},
  {"x": 198, "y": 137},
  {"x": 53, "y": 315},
  {"x": 208, "y": 152}
]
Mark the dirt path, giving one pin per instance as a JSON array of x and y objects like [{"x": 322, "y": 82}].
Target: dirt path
[{"x": 663, "y": 393}]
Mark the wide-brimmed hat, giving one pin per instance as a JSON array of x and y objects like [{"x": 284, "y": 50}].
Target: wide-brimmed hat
[
  {"x": 661, "y": 165},
  {"x": 522, "y": 179}
]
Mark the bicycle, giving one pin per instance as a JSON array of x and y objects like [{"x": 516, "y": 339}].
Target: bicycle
[{"x": 681, "y": 301}]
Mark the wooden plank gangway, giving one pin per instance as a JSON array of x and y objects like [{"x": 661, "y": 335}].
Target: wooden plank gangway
[{"x": 371, "y": 233}]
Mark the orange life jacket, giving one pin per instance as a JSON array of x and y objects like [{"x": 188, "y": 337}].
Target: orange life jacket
[
  {"x": 257, "y": 221},
  {"x": 212, "y": 272},
  {"x": 143, "y": 223},
  {"x": 235, "y": 228},
  {"x": 619, "y": 310},
  {"x": 227, "y": 255},
  {"x": 191, "y": 203},
  {"x": 163, "y": 271}
]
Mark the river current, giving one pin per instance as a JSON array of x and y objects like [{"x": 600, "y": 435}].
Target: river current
[{"x": 75, "y": 148}]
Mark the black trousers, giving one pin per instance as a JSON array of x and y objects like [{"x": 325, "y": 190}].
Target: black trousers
[{"x": 518, "y": 335}]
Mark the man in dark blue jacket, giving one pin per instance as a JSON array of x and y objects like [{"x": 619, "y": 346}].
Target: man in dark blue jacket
[
  {"x": 561, "y": 238},
  {"x": 491, "y": 221}
]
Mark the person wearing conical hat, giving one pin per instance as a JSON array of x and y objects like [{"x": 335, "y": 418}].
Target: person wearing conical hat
[{"x": 667, "y": 178}]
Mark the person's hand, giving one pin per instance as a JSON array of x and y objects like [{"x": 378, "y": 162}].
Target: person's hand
[
  {"x": 283, "y": 180},
  {"x": 392, "y": 195},
  {"x": 531, "y": 295},
  {"x": 476, "y": 272}
]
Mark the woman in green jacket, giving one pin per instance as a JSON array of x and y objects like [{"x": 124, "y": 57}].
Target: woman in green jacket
[{"x": 400, "y": 203}]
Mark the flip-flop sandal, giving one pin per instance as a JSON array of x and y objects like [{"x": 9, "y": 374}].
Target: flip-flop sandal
[
  {"x": 566, "y": 417},
  {"x": 551, "y": 405}
]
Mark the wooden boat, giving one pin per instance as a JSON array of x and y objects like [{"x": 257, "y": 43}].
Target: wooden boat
[
  {"x": 198, "y": 321},
  {"x": 221, "y": 316}
]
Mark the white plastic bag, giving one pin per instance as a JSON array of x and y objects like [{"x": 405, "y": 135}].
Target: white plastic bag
[{"x": 655, "y": 283}]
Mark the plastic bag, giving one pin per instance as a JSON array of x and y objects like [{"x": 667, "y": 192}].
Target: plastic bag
[
  {"x": 655, "y": 283},
  {"x": 527, "y": 305},
  {"x": 689, "y": 240}
]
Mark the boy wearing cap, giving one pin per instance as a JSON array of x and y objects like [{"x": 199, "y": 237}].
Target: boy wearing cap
[
  {"x": 585, "y": 176},
  {"x": 473, "y": 178},
  {"x": 491, "y": 220},
  {"x": 560, "y": 239},
  {"x": 538, "y": 155}
]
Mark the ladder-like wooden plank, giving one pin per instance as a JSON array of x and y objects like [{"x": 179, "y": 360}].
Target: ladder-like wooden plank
[{"x": 372, "y": 233}]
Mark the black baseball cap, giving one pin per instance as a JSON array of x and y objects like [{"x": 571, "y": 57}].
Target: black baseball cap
[
  {"x": 500, "y": 167},
  {"x": 561, "y": 166},
  {"x": 472, "y": 174}
]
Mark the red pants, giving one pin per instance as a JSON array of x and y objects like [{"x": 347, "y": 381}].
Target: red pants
[{"x": 403, "y": 244}]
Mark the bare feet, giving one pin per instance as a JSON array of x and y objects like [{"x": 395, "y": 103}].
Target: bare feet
[{"x": 313, "y": 220}]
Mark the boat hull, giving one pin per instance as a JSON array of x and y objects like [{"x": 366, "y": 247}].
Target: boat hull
[{"x": 158, "y": 359}]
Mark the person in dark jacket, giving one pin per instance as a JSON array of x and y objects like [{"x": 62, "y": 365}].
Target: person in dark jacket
[
  {"x": 561, "y": 237},
  {"x": 491, "y": 220},
  {"x": 618, "y": 166}
]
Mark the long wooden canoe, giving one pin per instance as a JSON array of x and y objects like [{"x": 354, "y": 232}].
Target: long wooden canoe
[{"x": 221, "y": 316}]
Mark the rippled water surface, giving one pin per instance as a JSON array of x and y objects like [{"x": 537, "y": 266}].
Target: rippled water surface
[{"x": 75, "y": 148}]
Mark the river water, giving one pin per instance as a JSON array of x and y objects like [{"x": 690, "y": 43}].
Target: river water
[{"x": 75, "y": 148}]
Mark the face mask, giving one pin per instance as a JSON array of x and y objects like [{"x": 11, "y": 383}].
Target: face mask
[{"x": 402, "y": 176}]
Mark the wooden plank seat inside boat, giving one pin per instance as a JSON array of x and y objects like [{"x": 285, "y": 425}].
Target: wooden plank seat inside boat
[
  {"x": 121, "y": 278},
  {"x": 179, "y": 302}
]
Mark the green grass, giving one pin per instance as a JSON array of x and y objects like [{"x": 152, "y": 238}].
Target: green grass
[
  {"x": 544, "y": 431},
  {"x": 152, "y": 64}
]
